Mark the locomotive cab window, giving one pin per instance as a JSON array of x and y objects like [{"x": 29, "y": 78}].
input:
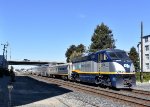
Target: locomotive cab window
[{"x": 118, "y": 55}]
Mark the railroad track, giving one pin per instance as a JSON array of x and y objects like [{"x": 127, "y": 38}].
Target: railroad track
[
  {"x": 141, "y": 92},
  {"x": 134, "y": 97},
  {"x": 138, "y": 92}
]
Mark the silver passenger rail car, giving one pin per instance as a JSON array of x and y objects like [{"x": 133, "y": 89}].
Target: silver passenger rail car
[{"x": 60, "y": 71}]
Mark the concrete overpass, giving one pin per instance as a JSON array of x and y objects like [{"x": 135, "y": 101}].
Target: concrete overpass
[{"x": 31, "y": 62}]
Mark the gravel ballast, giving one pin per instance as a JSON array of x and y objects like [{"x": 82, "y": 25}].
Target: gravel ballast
[{"x": 28, "y": 92}]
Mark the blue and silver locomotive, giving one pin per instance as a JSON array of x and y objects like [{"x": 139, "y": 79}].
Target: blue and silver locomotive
[{"x": 110, "y": 67}]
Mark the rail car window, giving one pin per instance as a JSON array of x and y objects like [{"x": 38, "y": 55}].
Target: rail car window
[
  {"x": 77, "y": 66},
  {"x": 102, "y": 57}
]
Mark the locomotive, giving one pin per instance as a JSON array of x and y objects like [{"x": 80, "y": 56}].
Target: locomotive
[{"x": 109, "y": 67}]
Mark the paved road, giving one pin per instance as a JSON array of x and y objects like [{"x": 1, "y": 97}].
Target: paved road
[{"x": 30, "y": 93}]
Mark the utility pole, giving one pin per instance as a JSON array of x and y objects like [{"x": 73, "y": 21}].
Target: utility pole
[
  {"x": 141, "y": 73},
  {"x": 10, "y": 52},
  {"x": 6, "y": 49}
]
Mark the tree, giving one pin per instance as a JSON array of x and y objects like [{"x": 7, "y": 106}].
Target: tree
[
  {"x": 69, "y": 52},
  {"x": 102, "y": 38},
  {"x": 80, "y": 48},
  {"x": 134, "y": 56},
  {"x": 75, "y": 54},
  {"x": 75, "y": 50}
]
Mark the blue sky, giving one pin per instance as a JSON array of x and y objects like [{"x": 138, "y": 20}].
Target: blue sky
[{"x": 44, "y": 29}]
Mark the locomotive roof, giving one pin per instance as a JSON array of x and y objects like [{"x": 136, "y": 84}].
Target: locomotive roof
[
  {"x": 91, "y": 56},
  {"x": 105, "y": 50},
  {"x": 88, "y": 56},
  {"x": 109, "y": 50}
]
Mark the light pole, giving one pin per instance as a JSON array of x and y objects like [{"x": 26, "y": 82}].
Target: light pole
[
  {"x": 10, "y": 87},
  {"x": 141, "y": 73}
]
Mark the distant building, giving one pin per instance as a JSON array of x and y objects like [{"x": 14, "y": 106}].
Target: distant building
[
  {"x": 3, "y": 62},
  {"x": 146, "y": 53}
]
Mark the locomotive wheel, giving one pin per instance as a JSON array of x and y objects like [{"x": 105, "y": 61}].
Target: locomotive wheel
[
  {"x": 108, "y": 81},
  {"x": 105, "y": 82},
  {"x": 97, "y": 81},
  {"x": 77, "y": 78}
]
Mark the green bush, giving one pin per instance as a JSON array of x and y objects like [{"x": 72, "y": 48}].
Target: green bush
[{"x": 146, "y": 76}]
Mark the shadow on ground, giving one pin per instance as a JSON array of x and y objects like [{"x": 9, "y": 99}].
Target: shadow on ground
[{"x": 27, "y": 90}]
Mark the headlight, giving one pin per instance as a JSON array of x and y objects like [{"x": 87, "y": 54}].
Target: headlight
[{"x": 119, "y": 71}]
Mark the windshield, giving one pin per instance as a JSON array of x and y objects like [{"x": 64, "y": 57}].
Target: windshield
[{"x": 118, "y": 55}]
